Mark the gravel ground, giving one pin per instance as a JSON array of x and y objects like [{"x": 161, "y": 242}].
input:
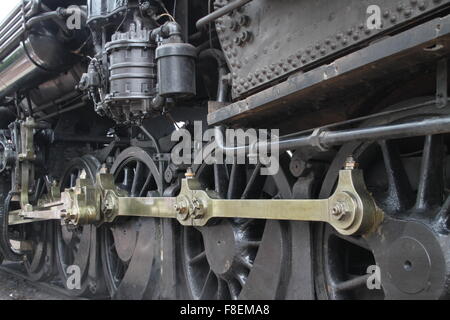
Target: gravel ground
[{"x": 14, "y": 288}]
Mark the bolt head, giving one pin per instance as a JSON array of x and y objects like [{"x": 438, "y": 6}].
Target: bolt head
[
  {"x": 350, "y": 163},
  {"x": 339, "y": 211}
]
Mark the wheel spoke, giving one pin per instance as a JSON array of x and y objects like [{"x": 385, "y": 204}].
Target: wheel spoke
[
  {"x": 199, "y": 257},
  {"x": 234, "y": 291},
  {"x": 208, "y": 285},
  {"x": 240, "y": 279},
  {"x": 255, "y": 184},
  {"x": 237, "y": 181},
  {"x": 222, "y": 289},
  {"x": 137, "y": 177},
  {"x": 431, "y": 185},
  {"x": 243, "y": 261},
  {"x": 354, "y": 283},
  {"x": 146, "y": 185},
  {"x": 221, "y": 180},
  {"x": 253, "y": 244},
  {"x": 73, "y": 179},
  {"x": 400, "y": 194},
  {"x": 126, "y": 179},
  {"x": 357, "y": 241}
]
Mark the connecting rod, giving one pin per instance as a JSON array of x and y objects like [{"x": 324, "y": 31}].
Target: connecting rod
[{"x": 350, "y": 210}]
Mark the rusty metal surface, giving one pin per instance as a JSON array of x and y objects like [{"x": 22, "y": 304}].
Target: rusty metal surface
[
  {"x": 421, "y": 44},
  {"x": 266, "y": 40}
]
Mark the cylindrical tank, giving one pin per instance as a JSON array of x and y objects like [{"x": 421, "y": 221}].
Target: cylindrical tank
[
  {"x": 37, "y": 59},
  {"x": 176, "y": 70},
  {"x": 131, "y": 64}
]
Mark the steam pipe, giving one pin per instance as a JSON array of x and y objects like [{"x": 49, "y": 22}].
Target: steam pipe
[
  {"x": 222, "y": 89},
  {"x": 52, "y": 15},
  {"x": 220, "y": 12},
  {"x": 326, "y": 139}
]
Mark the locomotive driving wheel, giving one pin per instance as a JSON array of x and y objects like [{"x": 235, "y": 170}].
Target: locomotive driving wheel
[
  {"x": 76, "y": 247},
  {"x": 239, "y": 258},
  {"x": 130, "y": 247},
  {"x": 406, "y": 257},
  {"x": 38, "y": 259},
  {"x": 31, "y": 243}
]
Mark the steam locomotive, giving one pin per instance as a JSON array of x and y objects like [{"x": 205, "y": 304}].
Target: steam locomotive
[{"x": 99, "y": 97}]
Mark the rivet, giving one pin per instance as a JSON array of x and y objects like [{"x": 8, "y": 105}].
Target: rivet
[{"x": 422, "y": 5}]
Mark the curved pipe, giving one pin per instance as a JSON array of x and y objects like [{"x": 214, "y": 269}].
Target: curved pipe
[
  {"x": 223, "y": 88},
  {"x": 325, "y": 139},
  {"x": 220, "y": 12},
  {"x": 53, "y": 15}
]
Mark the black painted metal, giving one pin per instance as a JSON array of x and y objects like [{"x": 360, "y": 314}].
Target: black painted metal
[
  {"x": 410, "y": 245},
  {"x": 131, "y": 248},
  {"x": 246, "y": 259},
  {"x": 262, "y": 48},
  {"x": 221, "y": 12},
  {"x": 77, "y": 245},
  {"x": 424, "y": 43},
  {"x": 326, "y": 139}
]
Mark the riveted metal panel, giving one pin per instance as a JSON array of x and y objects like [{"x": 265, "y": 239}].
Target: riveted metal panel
[
  {"x": 266, "y": 40},
  {"x": 423, "y": 44}
]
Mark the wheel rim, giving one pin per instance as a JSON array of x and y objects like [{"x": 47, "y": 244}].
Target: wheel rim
[
  {"x": 401, "y": 192},
  {"x": 218, "y": 260},
  {"x": 38, "y": 262},
  {"x": 73, "y": 244},
  {"x": 127, "y": 244}
]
